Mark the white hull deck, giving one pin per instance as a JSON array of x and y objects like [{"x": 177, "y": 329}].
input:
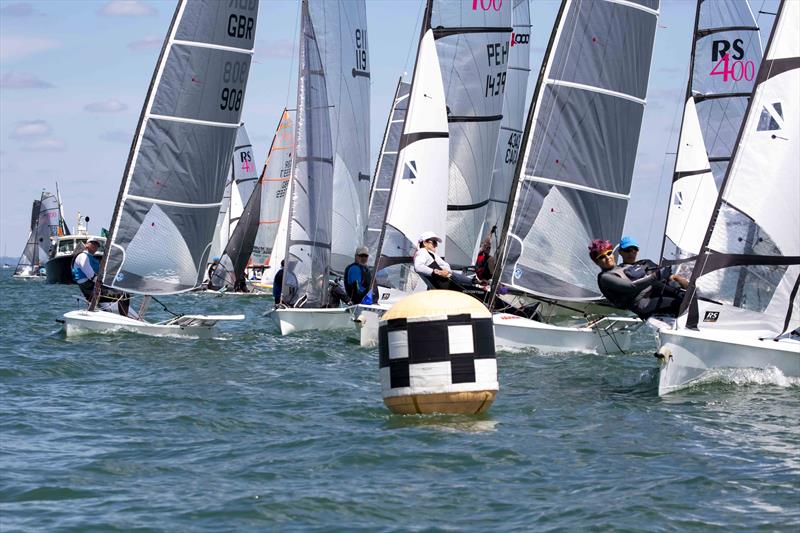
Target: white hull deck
[
  {"x": 295, "y": 320},
  {"x": 366, "y": 319},
  {"x": 191, "y": 326},
  {"x": 688, "y": 354},
  {"x": 607, "y": 335}
]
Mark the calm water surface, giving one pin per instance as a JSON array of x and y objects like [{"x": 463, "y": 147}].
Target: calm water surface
[{"x": 254, "y": 431}]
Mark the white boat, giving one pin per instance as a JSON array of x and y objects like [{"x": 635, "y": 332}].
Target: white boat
[
  {"x": 295, "y": 320},
  {"x": 573, "y": 182},
  {"x": 330, "y": 179},
  {"x": 169, "y": 199},
  {"x": 192, "y": 326},
  {"x": 742, "y": 309}
]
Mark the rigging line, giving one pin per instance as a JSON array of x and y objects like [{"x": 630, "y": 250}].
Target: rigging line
[
  {"x": 414, "y": 40},
  {"x": 291, "y": 59}
]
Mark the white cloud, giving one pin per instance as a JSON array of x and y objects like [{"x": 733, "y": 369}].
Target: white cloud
[
  {"x": 31, "y": 129},
  {"x": 19, "y": 9},
  {"x": 109, "y": 106},
  {"x": 51, "y": 145},
  {"x": 148, "y": 43},
  {"x": 117, "y": 136},
  {"x": 17, "y": 47},
  {"x": 21, "y": 80},
  {"x": 127, "y": 8}
]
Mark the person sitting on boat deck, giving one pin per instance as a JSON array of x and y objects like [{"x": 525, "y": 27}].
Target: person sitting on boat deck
[
  {"x": 639, "y": 268},
  {"x": 84, "y": 272},
  {"x": 277, "y": 284},
  {"x": 211, "y": 268},
  {"x": 484, "y": 264},
  {"x": 434, "y": 268},
  {"x": 645, "y": 296},
  {"x": 357, "y": 277}
]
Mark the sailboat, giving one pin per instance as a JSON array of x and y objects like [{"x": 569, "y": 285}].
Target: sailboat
[
  {"x": 270, "y": 240},
  {"x": 714, "y": 109},
  {"x": 46, "y": 225},
  {"x": 742, "y": 309},
  {"x": 330, "y": 180},
  {"x": 170, "y": 194},
  {"x": 228, "y": 275},
  {"x": 420, "y": 142},
  {"x": 573, "y": 180}
]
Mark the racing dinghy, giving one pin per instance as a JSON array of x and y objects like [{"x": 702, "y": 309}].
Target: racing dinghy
[
  {"x": 572, "y": 183},
  {"x": 330, "y": 179},
  {"x": 742, "y": 309},
  {"x": 174, "y": 180}
]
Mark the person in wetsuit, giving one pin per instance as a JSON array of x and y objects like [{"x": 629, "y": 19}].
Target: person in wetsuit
[
  {"x": 357, "y": 277},
  {"x": 646, "y": 295}
]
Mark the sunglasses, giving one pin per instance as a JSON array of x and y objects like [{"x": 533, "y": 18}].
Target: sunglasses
[
  {"x": 363, "y": 255},
  {"x": 607, "y": 253},
  {"x": 629, "y": 249}
]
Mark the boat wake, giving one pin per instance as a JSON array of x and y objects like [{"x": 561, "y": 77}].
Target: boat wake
[{"x": 746, "y": 377}]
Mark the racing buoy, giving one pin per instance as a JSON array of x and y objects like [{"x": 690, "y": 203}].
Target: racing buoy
[{"x": 437, "y": 355}]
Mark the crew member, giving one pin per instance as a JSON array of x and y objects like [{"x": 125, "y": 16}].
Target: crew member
[{"x": 357, "y": 277}]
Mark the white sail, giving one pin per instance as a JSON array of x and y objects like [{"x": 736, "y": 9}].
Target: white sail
[
  {"x": 419, "y": 193},
  {"x": 748, "y": 273}
]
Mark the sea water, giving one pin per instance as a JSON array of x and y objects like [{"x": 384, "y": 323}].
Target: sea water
[{"x": 252, "y": 431}]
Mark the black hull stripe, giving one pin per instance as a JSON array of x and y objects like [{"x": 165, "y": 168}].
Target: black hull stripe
[
  {"x": 467, "y": 207},
  {"x": 440, "y": 32}
]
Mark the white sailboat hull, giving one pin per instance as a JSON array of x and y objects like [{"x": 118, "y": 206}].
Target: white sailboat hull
[
  {"x": 688, "y": 354},
  {"x": 366, "y": 319},
  {"x": 191, "y": 326},
  {"x": 290, "y": 321},
  {"x": 609, "y": 335}
]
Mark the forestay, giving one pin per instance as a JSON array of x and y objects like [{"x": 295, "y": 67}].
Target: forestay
[
  {"x": 748, "y": 273},
  {"x": 510, "y": 138},
  {"x": 340, "y": 27},
  {"x": 385, "y": 169},
  {"x": 274, "y": 188},
  {"x": 174, "y": 179},
  {"x": 473, "y": 44},
  {"x": 237, "y": 251},
  {"x": 418, "y": 196},
  {"x": 573, "y": 182},
  {"x": 726, "y": 54}
]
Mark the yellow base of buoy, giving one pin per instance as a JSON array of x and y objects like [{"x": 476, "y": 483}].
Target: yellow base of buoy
[{"x": 460, "y": 403}]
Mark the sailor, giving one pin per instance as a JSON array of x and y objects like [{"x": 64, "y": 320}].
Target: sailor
[
  {"x": 211, "y": 268},
  {"x": 484, "y": 264},
  {"x": 277, "y": 285},
  {"x": 645, "y": 296},
  {"x": 434, "y": 268},
  {"x": 85, "y": 267},
  {"x": 357, "y": 277}
]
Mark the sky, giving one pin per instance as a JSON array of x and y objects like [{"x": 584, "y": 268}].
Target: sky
[{"x": 74, "y": 76}]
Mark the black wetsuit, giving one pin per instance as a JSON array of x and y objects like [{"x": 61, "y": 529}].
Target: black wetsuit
[{"x": 645, "y": 296}]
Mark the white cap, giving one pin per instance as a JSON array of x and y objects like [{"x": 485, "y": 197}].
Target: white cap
[
  {"x": 429, "y": 235},
  {"x": 362, "y": 250}
]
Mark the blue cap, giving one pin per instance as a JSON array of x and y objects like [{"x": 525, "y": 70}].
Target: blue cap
[
  {"x": 627, "y": 242},
  {"x": 215, "y": 259}
]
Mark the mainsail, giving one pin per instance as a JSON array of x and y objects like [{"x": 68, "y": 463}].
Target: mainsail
[
  {"x": 726, "y": 54},
  {"x": 30, "y": 254},
  {"x": 170, "y": 195},
  {"x": 419, "y": 189},
  {"x": 385, "y": 169},
  {"x": 237, "y": 251},
  {"x": 509, "y": 140},
  {"x": 274, "y": 189},
  {"x": 747, "y": 276},
  {"x": 341, "y": 30},
  {"x": 331, "y": 149},
  {"x": 573, "y": 181},
  {"x": 48, "y": 224},
  {"x": 473, "y": 44}
]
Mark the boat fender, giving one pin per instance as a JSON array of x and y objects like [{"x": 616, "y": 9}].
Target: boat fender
[{"x": 436, "y": 355}]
